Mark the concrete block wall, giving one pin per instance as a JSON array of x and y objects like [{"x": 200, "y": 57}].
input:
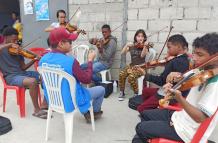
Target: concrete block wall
[
  {"x": 95, "y": 13},
  {"x": 192, "y": 18}
]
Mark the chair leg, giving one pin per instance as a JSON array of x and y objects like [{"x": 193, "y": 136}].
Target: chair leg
[
  {"x": 103, "y": 76},
  {"x": 109, "y": 74},
  {"x": 92, "y": 118},
  {"x": 48, "y": 124},
  {"x": 22, "y": 102},
  {"x": 4, "y": 99},
  {"x": 68, "y": 121}
]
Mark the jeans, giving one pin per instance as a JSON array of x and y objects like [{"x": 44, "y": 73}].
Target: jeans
[
  {"x": 97, "y": 67},
  {"x": 97, "y": 94},
  {"x": 155, "y": 123}
]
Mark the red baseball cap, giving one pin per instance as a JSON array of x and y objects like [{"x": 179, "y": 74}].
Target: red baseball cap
[{"x": 59, "y": 34}]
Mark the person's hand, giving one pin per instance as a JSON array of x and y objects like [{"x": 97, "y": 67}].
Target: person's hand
[
  {"x": 171, "y": 92},
  {"x": 93, "y": 41},
  {"x": 174, "y": 77},
  {"x": 16, "y": 47},
  {"x": 37, "y": 58},
  {"x": 91, "y": 55}
]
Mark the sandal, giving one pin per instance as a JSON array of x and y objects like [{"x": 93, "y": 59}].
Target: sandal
[
  {"x": 41, "y": 114},
  {"x": 44, "y": 108}
]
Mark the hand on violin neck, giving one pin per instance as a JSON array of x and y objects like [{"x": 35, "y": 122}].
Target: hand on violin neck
[
  {"x": 174, "y": 77},
  {"x": 16, "y": 47}
]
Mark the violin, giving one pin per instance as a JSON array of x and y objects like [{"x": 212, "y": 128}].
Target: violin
[
  {"x": 141, "y": 46},
  {"x": 25, "y": 53},
  {"x": 191, "y": 80},
  {"x": 156, "y": 63},
  {"x": 152, "y": 64},
  {"x": 99, "y": 42},
  {"x": 72, "y": 28}
]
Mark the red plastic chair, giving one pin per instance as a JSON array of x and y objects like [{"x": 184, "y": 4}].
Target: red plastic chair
[
  {"x": 20, "y": 92},
  {"x": 39, "y": 51},
  {"x": 197, "y": 137}
]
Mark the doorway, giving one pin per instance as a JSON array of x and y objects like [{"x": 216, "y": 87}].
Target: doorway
[{"x": 6, "y": 9}]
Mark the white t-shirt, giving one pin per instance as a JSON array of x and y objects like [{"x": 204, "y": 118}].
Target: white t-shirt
[
  {"x": 55, "y": 24},
  {"x": 205, "y": 99}
]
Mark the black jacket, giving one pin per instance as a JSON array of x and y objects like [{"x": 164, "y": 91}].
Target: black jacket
[{"x": 178, "y": 64}]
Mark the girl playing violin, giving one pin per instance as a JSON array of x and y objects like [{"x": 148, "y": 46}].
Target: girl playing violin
[
  {"x": 201, "y": 102},
  {"x": 138, "y": 54},
  {"x": 177, "y": 47},
  {"x": 61, "y": 16}
]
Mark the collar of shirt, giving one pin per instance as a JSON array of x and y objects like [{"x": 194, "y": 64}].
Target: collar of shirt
[{"x": 57, "y": 51}]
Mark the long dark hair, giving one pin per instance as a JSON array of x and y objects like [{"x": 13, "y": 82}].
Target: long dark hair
[{"x": 140, "y": 31}]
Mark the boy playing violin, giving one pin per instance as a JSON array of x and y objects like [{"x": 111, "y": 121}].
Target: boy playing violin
[
  {"x": 137, "y": 57},
  {"x": 201, "y": 102},
  {"x": 107, "y": 49},
  {"x": 177, "y": 47},
  {"x": 14, "y": 69}
]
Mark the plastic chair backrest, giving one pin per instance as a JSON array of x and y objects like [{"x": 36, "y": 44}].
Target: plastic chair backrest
[
  {"x": 52, "y": 78},
  {"x": 151, "y": 55},
  {"x": 80, "y": 53}
]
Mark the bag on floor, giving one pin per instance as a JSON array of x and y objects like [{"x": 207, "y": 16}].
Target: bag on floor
[
  {"x": 108, "y": 88},
  {"x": 135, "y": 101},
  {"x": 5, "y": 125}
]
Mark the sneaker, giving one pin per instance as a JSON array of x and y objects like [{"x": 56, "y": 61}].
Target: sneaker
[
  {"x": 98, "y": 115},
  {"x": 121, "y": 97}
]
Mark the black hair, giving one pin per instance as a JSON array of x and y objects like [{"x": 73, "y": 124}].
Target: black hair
[
  {"x": 60, "y": 11},
  {"x": 16, "y": 13},
  {"x": 106, "y": 26},
  {"x": 178, "y": 39},
  {"x": 48, "y": 42},
  {"x": 140, "y": 31},
  {"x": 8, "y": 31},
  {"x": 208, "y": 42}
]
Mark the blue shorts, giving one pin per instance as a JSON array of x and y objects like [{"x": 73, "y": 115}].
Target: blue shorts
[{"x": 17, "y": 80}]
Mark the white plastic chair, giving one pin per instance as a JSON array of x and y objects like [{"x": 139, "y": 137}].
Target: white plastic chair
[
  {"x": 151, "y": 56},
  {"x": 52, "y": 79},
  {"x": 104, "y": 75},
  {"x": 80, "y": 52}
]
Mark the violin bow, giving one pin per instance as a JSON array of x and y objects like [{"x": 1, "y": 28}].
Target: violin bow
[
  {"x": 157, "y": 32},
  {"x": 118, "y": 26},
  {"x": 73, "y": 15},
  {"x": 171, "y": 27},
  {"x": 32, "y": 42},
  {"x": 211, "y": 59}
]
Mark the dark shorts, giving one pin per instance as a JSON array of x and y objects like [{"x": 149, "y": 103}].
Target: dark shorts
[{"x": 17, "y": 80}]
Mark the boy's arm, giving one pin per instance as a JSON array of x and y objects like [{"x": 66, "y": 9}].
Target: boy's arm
[{"x": 196, "y": 114}]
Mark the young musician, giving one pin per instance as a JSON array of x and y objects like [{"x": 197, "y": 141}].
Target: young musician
[
  {"x": 107, "y": 49},
  {"x": 177, "y": 47},
  {"x": 201, "y": 102},
  {"x": 61, "y": 16},
  {"x": 60, "y": 41},
  {"x": 14, "y": 69},
  {"x": 137, "y": 54}
]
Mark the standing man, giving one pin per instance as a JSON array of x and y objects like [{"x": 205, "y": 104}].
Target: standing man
[{"x": 107, "y": 48}]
